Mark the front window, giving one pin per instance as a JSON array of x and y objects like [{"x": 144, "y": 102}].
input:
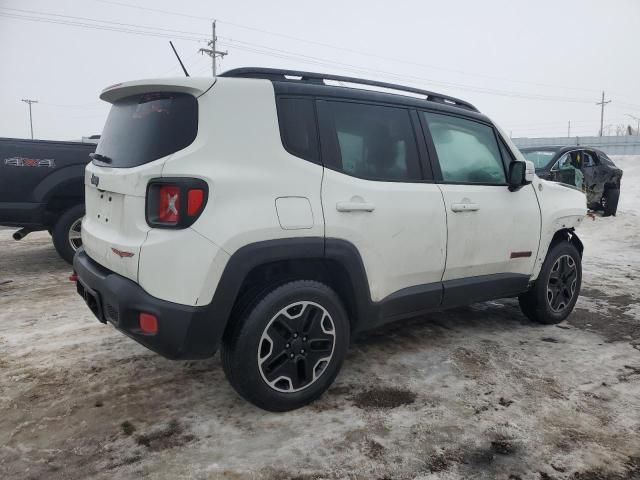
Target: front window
[
  {"x": 467, "y": 151},
  {"x": 540, "y": 158},
  {"x": 143, "y": 128}
]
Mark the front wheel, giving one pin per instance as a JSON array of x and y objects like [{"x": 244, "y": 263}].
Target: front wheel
[
  {"x": 287, "y": 346},
  {"x": 67, "y": 233},
  {"x": 554, "y": 294}
]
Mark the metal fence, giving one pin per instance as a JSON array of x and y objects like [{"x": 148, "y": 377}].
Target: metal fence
[{"x": 627, "y": 145}]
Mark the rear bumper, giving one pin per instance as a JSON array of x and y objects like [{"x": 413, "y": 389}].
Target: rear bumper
[
  {"x": 23, "y": 214},
  {"x": 184, "y": 332}
]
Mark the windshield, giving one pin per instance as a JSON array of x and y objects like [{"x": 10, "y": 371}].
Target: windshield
[
  {"x": 540, "y": 158},
  {"x": 143, "y": 128}
]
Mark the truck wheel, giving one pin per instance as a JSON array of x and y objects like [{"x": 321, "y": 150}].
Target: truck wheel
[
  {"x": 287, "y": 345},
  {"x": 66, "y": 233},
  {"x": 610, "y": 201},
  {"x": 554, "y": 294}
]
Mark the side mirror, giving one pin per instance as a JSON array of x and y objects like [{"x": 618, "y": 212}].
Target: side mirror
[{"x": 520, "y": 174}]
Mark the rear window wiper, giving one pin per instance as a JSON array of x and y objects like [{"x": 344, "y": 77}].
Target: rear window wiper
[{"x": 100, "y": 157}]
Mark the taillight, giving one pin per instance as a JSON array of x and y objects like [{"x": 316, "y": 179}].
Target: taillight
[
  {"x": 175, "y": 202},
  {"x": 169, "y": 204},
  {"x": 195, "y": 198}
]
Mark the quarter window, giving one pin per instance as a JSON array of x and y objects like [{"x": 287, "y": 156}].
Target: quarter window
[
  {"x": 467, "y": 151},
  {"x": 298, "y": 127},
  {"x": 369, "y": 141}
]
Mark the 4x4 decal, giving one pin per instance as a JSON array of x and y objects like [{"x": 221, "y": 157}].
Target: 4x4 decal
[{"x": 30, "y": 162}]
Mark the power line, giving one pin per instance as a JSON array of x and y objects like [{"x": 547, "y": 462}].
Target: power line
[
  {"x": 289, "y": 55},
  {"x": 259, "y": 49},
  {"x": 341, "y": 48},
  {"x": 100, "y": 27},
  {"x": 149, "y": 9},
  {"x": 323, "y": 62},
  {"x": 97, "y": 20}
]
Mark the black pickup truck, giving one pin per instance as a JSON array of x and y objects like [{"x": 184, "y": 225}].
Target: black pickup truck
[{"x": 42, "y": 188}]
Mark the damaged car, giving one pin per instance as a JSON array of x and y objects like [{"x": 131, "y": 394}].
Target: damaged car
[{"x": 585, "y": 168}]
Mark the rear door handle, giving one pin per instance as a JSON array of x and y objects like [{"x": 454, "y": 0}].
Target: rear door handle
[
  {"x": 355, "y": 207},
  {"x": 465, "y": 207}
]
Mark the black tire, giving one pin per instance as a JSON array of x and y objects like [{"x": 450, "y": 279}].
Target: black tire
[
  {"x": 538, "y": 303},
  {"x": 61, "y": 232},
  {"x": 251, "y": 329},
  {"x": 610, "y": 201}
]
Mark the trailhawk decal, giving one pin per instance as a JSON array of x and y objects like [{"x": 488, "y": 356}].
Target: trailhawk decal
[{"x": 30, "y": 162}]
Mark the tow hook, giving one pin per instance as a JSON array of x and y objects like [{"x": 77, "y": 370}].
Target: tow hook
[
  {"x": 73, "y": 277},
  {"x": 20, "y": 234}
]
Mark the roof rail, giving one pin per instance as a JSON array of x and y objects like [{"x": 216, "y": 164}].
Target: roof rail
[{"x": 318, "y": 78}]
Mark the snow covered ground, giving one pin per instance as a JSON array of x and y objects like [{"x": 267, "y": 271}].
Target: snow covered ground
[{"x": 476, "y": 392}]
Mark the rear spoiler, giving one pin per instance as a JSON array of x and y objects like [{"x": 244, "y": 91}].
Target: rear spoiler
[{"x": 195, "y": 86}]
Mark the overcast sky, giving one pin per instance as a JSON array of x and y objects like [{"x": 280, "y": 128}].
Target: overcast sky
[{"x": 530, "y": 65}]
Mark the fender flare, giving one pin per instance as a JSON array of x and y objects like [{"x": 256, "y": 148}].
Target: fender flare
[
  {"x": 59, "y": 181},
  {"x": 254, "y": 255}
]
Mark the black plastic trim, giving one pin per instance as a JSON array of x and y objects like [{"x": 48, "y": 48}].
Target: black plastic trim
[
  {"x": 411, "y": 301},
  {"x": 184, "y": 332},
  {"x": 464, "y": 291},
  {"x": 196, "y": 332},
  {"x": 322, "y": 91},
  {"x": 253, "y": 255}
]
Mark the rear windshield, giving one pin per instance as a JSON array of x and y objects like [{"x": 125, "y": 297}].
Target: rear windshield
[{"x": 143, "y": 128}]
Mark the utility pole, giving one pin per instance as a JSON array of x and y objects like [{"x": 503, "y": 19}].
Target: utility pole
[
  {"x": 29, "y": 102},
  {"x": 602, "y": 104},
  {"x": 212, "y": 52},
  {"x": 637, "y": 120},
  {"x": 569, "y": 129}
]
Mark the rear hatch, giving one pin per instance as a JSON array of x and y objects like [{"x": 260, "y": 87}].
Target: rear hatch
[{"x": 149, "y": 122}]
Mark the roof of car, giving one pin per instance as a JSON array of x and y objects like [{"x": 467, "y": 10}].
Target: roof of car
[
  {"x": 558, "y": 148},
  {"x": 310, "y": 83}
]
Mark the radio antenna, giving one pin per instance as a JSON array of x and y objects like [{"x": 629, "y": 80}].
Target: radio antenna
[{"x": 178, "y": 57}]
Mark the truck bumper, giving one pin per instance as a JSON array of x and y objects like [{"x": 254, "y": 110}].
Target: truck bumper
[
  {"x": 184, "y": 332},
  {"x": 23, "y": 214}
]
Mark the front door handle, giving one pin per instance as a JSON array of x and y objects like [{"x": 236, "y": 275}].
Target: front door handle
[
  {"x": 465, "y": 207},
  {"x": 355, "y": 207}
]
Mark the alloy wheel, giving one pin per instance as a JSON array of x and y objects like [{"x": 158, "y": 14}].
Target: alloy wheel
[
  {"x": 75, "y": 234},
  {"x": 561, "y": 286},
  {"x": 296, "y": 346}
]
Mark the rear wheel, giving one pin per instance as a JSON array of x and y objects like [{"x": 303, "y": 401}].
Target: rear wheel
[
  {"x": 67, "y": 232},
  {"x": 287, "y": 346},
  {"x": 610, "y": 201},
  {"x": 554, "y": 294}
]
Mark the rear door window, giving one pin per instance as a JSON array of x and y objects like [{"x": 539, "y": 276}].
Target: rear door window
[
  {"x": 298, "y": 129},
  {"x": 143, "y": 128},
  {"x": 373, "y": 142}
]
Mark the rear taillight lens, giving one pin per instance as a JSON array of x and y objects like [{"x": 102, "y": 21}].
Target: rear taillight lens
[
  {"x": 195, "y": 198},
  {"x": 175, "y": 202},
  {"x": 169, "y": 204}
]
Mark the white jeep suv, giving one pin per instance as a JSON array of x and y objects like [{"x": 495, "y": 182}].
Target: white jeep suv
[{"x": 276, "y": 214}]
